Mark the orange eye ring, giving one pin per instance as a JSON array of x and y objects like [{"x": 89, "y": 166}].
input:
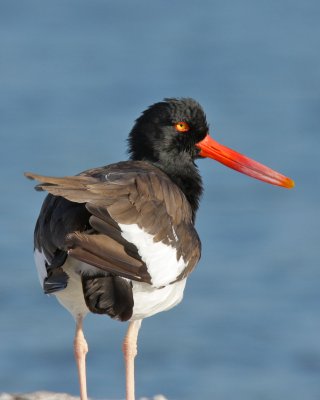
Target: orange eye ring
[{"x": 182, "y": 126}]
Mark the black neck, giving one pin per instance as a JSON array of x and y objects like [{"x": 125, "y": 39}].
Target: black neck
[{"x": 184, "y": 173}]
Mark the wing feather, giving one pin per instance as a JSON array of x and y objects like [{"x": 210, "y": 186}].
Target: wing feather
[{"x": 130, "y": 192}]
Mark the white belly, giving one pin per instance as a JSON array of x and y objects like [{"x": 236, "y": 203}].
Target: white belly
[
  {"x": 72, "y": 296},
  {"x": 149, "y": 300},
  {"x": 40, "y": 261}
]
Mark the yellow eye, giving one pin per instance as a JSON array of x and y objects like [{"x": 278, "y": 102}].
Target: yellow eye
[{"x": 182, "y": 126}]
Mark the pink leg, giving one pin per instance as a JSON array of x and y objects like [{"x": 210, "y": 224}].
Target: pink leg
[
  {"x": 80, "y": 350},
  {"x": 130, "y": 351}
]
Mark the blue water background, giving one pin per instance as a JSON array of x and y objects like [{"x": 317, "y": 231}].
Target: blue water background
[{"x": 74, "y": 75}]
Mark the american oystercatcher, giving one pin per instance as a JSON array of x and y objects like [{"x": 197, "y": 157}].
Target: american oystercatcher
[{"x": 120, "y": 239}]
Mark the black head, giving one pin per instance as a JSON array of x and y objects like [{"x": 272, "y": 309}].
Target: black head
[
  {"x": 167, "y": 130},
  {"x": 165, "y": 135}
]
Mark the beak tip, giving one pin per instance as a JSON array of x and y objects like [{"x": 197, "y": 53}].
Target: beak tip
[
  {"x": 287, "y": 183},
  {"x": 291, "y": 184}
]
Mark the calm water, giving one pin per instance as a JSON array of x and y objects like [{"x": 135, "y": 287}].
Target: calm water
[{"x": 73, "y": 77}]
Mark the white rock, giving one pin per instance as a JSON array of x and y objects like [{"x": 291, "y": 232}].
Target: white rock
[{"x": 53, "y": 396}]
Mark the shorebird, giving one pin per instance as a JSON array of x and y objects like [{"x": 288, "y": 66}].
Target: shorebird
[{"x": 120, "y": 239}]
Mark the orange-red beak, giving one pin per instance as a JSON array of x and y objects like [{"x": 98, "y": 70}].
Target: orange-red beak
[{"x": 232, "y": 159}]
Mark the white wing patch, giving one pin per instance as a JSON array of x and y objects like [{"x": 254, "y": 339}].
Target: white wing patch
[{"x": 161, "y": 259}]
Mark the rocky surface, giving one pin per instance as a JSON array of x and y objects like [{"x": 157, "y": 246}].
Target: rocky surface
[{"x": 53, "y": 396}]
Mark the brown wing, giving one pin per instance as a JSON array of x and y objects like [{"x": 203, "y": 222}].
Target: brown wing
[{"x": 126, "y": 193}]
